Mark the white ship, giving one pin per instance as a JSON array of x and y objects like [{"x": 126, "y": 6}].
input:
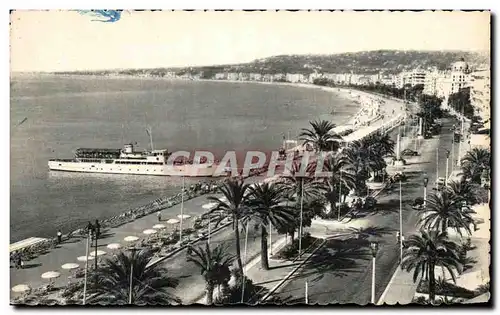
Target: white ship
[{"x": 128, "y": 161}]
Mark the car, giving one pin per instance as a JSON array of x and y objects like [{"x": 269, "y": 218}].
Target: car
[
  {"x": 440, "y": 181},
  {"x": 408, "y": 152}
]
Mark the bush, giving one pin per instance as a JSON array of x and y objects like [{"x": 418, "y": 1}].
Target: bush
[
  {"x": 291, "y": 251},
  {"x": 333, "y": 214}
]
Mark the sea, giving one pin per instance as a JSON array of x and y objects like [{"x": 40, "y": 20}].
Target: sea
[{"x": 51, "y": 116}]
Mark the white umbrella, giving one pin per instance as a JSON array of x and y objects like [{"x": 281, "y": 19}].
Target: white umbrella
[
  {"x": 114, "y": 246},
  {"x": 172, "y": 221},
  {"x": 183, "y": 216},
  {"x": 84, "y": 258},
  {"x": 209, "y": 206},
  {"x": 51, "y": 275},
  {"x": 149, "y": 231},
  {"x": 158, "y": 226},
  {"x": 98, "y": 253},
  {"x": 130, "y": 238},
  {"x": 70, "y": 266},
  {"x": 21, "y": 288}
]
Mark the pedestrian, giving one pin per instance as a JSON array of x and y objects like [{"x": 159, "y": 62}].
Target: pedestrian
[
  {"x": 59, "y": 237},
  {"x": 21, "y": 262},
  {"x": 97, "y": 228},
  {"x": 18, "y": 261},
  {"x": 158, "y": 214}
]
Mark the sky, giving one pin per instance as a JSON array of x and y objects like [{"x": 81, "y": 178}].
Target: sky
[{"x": 68, "y": 40}]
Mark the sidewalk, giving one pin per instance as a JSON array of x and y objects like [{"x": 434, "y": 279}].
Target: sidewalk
[
  {"x": 69, "y": 250},
  {"x": 401, "y": 288}
]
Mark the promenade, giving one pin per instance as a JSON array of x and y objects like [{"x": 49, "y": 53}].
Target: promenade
[{"x": 192, "y": 285}]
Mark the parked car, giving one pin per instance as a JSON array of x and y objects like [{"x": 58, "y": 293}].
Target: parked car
[
  {"x": 409, "y": 152},
  {"x": 440, "y": 182}
]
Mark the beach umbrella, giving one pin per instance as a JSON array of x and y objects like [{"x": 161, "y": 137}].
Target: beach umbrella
[
  {"x": 114, "y": 246},
  {"x": 21, "y": 288},
  {"x": 98, "y": 253},
  {"x": 70, "y": 266},
  {"x": 51, "y": 275},
  {"x": 158, "y": 226},
  {"x": 149, "y": 231},
  {"x": 183, "y": 216},
  {"x": 130, "y": 238},
  {"x": 209, "y": 206},
  {"x": 172, "y": 221},
  {"x": 84, "y": 258}
]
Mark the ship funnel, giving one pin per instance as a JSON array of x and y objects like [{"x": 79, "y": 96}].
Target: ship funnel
[{"x": 128, "y": 148}]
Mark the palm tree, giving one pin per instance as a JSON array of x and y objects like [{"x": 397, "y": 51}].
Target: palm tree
[
  {"x": 381, "y": 143},
  {"x": 267, "y": 206},
  {"x": 364, "y": 162},
  {"x": 428, "y": 250},
  {"x": 444, "y": 210},
  {"x": 464, "y": 190},
  {"x": 475, "y": 162},
  {"x": 214, "y": 265},
  {"x": 296, "y": 179},
  {"x": 342, "y": 176},
  {"x": 321, "y": 136},
  {"x": 150, "y": 284},
  {"x": 235, "y": 205}
]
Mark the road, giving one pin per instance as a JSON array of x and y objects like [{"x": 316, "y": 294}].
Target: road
[{"x": 341, "y": 271}]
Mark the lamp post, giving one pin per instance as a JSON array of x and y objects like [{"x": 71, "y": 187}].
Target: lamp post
[
  {"x": 340, "y": 194},
  {"x": 133, "y": 249},
  {"x": 374, "y": 249},
  {"x": 437, "y": 166},
  {"x": 245, "y": 258},
  {"x": 453, "y": 149},
  {"x": 447, "y": 163},
  {"x": 426, "y": 181},
  {"x": 182, "y": 210},
  {"x": 86, "y": 267},
  {"x": 400, "y": 220},
  {"x": 301, "y": 210}
]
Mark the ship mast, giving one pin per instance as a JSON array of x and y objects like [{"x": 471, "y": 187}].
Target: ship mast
[{"x": 150, "y": 133}]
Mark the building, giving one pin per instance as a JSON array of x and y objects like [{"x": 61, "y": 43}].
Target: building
[
  {"x": 220, "y": 76},
  {"x": 480, "y": 93},
  {"x": 232, "y": 76},
  {"x": 453, "y": 81},
  {"x": 295, "y": 77}
]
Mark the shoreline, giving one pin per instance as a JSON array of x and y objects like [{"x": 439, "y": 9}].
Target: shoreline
[{"x": 361, "y": 98}]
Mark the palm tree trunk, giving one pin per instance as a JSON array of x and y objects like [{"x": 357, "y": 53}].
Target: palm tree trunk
[
  {"x": 210, "y": 294},
  {"x": 263, "y": 249},
  {"x": 432, "y": 283},
  {"x": 238, "y": 249}
]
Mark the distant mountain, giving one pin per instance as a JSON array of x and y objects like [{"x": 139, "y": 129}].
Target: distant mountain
[
  {"x": 366, "y": 62},
  {"x": 390, "y": 61}
]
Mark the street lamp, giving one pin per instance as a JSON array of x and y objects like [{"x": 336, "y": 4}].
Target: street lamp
[
  {"x": 447, "y": 160},
  {"x": 437, "y": 166},
  {"x": 133, "y": 250},
  {"x": 426, "y": 181},
  {"x": 374, "y": 249}
]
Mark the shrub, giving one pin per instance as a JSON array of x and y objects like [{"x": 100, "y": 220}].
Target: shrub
[
  {"x": 418, "y": 201},
  {"x": 290, "y": 251}
]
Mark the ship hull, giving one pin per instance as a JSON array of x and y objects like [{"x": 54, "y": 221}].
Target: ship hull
[{"x": 111, "y": 168}]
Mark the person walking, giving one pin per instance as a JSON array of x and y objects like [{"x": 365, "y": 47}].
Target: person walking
[
  {"x": 59, "y": 237},
  {"x": 97, "y": 228},
  {"x": 158, "y": 214}
]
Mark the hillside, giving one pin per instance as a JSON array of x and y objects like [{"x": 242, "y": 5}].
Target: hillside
[{"x": 388, "y": 61}]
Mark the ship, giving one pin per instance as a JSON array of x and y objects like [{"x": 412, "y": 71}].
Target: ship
[{"x": 129, "y": 161}]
